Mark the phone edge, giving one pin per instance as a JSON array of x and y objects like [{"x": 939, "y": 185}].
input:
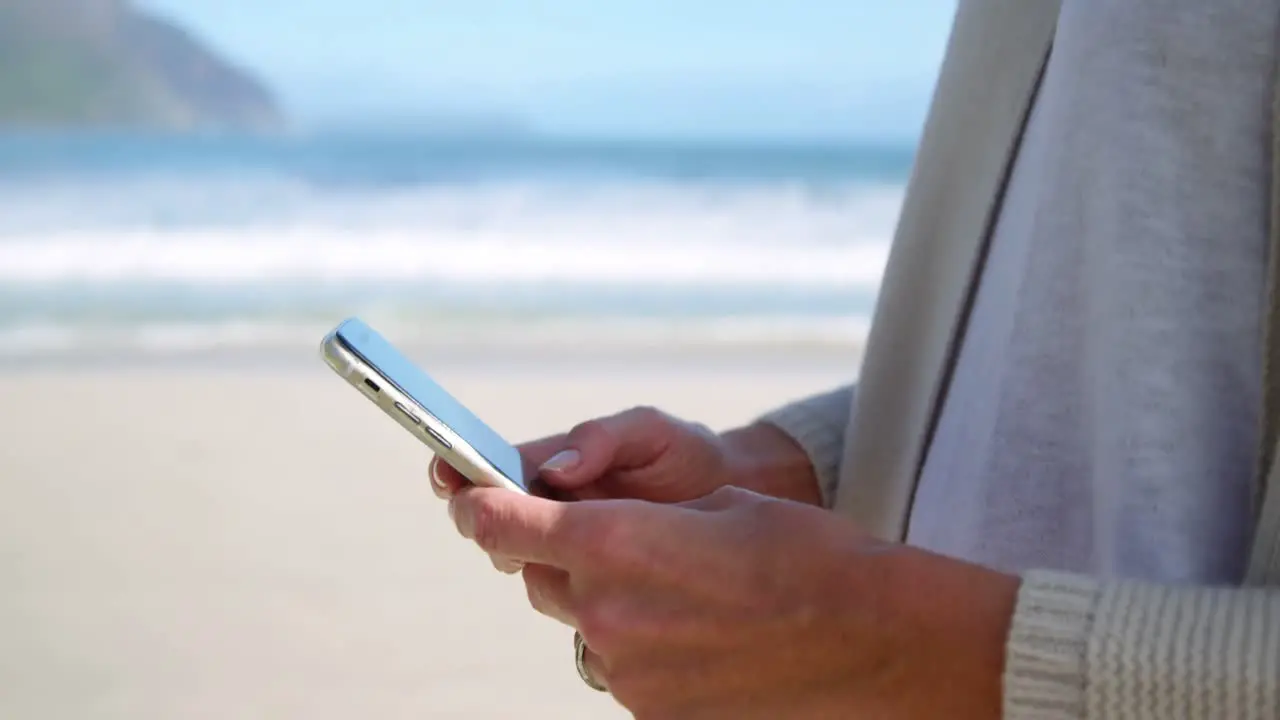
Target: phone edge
[{"x": 461, "y": 456}]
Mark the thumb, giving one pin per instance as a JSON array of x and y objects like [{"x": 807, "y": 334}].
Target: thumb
[{"x": 626, "y": 441}]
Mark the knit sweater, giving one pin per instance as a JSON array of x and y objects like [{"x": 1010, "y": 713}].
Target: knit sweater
[
  {"x": 1128, "y": 633},
  {"x": 1082, "y": 647}
]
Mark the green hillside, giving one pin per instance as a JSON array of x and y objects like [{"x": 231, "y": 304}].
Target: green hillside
[{"x": 101, "y": 64}]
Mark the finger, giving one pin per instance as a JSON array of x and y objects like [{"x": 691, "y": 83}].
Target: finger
[
  {"x": 537, "y": 452},
  {"x": 445, "y": 481},
  {"x": 625, "y": 441},
  {"x": 437, "y": 485},
  {"x": 522, "y": 527},
  {"x": 595, "y": 668},
  {"x": 506, "y": 565},
  {"x": 549, "y": 593}
]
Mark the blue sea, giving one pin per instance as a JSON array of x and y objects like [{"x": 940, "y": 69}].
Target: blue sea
[{"x": 181, "y": 245}]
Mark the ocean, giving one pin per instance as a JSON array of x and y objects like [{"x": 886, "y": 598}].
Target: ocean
[{"x": 164, "y": 246}]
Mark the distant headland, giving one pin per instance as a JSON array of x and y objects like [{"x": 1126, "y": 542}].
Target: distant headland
[{"x": 106, "y": 65}]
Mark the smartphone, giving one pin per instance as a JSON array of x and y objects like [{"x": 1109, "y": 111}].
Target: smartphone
[{"x": 387, "y": 378}]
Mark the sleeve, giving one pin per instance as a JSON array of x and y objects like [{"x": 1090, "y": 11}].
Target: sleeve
[
  {"x": 818, "y": 425},
  {"x": 1081, "y": 648}
]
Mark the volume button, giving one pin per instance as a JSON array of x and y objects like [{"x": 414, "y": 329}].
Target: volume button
[
  {"x": 438, "y": 437},
  {"x": 409, "y": 414}
]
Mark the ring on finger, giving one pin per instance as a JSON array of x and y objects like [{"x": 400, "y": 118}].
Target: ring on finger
[{"x": 580, "y": 659}]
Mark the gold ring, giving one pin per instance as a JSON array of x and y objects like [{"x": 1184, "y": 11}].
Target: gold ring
[{"x": 580, "y": 659}]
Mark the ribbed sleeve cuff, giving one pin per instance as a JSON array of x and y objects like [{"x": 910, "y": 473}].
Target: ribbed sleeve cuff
[
  {"x": 1047, "y": 654},
  {"x": 818, "y": 425}
]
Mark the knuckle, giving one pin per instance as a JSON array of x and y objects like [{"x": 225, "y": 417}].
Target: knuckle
[
  {"x": 610, "y": 544},
  {"x": 648, "y": 415},
  {"x": 706, "y": 439},
  {"x": 733, "y": 496},
  {"x": 653, "y": 423},
  {"x": 593, "y": 434},
  {"x": 584, "y": 428},
  {"x": 725, "y": 492},
  {"x": 722, "y": 497},
  {"x": 602, "y": 627}
]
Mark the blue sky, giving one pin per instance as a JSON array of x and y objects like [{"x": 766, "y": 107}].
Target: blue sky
[{"x": 799, "y": 68}]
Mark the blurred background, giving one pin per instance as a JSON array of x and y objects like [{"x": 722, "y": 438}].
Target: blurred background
[{"x": 560, "y": 207}]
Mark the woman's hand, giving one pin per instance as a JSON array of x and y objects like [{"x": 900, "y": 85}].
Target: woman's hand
[
  {"x": 741, "y": 606},
  {"x": 645, "y": 454}
]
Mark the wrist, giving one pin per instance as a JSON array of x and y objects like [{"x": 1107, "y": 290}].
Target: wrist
[
  {"x": 763, "y": 459},
  {"x": 961, "y": 614}
]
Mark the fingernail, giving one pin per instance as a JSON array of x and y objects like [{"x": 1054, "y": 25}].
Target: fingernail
[
  {"x": 507, "y": 566},
  {"x": 441, "y": 489},
  {"x": 562, "y": 461}
]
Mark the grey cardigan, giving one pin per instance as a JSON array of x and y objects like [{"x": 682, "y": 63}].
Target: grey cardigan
[{"x": 1079, "y": 647}]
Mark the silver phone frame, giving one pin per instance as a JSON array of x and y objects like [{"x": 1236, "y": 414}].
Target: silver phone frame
[{"x": 390, "y": 398}]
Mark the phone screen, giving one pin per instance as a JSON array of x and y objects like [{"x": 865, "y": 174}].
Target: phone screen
[{"x": 396, "y": 368}]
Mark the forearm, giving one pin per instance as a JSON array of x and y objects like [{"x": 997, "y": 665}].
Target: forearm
[
  {"x": 816, "y": 427},
  {"x": 1080, "y": 648}
]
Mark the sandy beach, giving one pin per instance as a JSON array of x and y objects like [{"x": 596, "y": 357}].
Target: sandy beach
[{"x": 196, "y": 542}]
